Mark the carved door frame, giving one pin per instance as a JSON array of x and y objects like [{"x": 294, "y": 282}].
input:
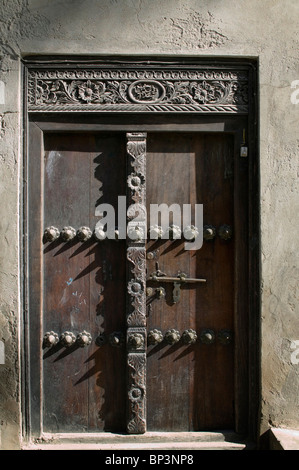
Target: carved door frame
[{"x": 136, "y": 96}]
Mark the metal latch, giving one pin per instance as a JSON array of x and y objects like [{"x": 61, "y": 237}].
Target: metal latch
[{"x": 177, "y": 281}]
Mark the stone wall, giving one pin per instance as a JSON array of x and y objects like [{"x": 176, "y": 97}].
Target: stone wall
[{"x": 267, "y": 30}]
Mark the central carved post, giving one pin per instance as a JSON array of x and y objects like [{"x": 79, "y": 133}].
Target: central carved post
[{"x": 136, "y": 280}]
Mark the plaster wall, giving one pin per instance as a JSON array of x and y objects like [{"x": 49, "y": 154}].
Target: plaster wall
[{"x": 267, "y": 30}]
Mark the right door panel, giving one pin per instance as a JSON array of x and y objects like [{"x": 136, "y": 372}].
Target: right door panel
[{"x": 190, "y": 386}]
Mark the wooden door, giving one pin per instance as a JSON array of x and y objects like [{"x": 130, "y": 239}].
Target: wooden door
[
  {"x": 84, "y": 285},
  {"x": 190, "y": 386},
  {"x": 81, "y": 291}
]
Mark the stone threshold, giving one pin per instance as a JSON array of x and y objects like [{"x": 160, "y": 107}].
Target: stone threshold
[
  {"x": 149, "y": 441},
  {"x": 284, "y": 439}
]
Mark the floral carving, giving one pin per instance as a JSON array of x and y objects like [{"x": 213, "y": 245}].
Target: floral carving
[
  {"x": 175, "y": 90},
  {"x": 89, "y": 90},
  {"x": 136, "y": 311},
  {"x": 209, "y": 92},
  {"x": 75, "y": 91},
  {"x": 136, "y": 150},
  {"x": 97, "y": 92},
  {"x": 146, "y": 91},
  {"x": 136, "y": 315},
  {"x": 137, "y": 257},
  {"x": 135, "y": 182}
]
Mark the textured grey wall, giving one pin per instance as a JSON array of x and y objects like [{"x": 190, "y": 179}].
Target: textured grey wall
[{"x": 265, "y": 29}]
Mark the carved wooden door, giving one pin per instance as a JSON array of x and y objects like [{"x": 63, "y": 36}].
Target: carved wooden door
[
  {"x": 134, "y": 324},
  {"x": 137, "y": 330}
]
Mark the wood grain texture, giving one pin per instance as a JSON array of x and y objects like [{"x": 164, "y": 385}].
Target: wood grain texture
[
  {"x": 84, "y": 285},
  {"x": 190, "y": 387}
]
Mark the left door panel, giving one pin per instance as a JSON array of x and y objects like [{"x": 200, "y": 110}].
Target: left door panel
[{"x": 82, "y": 385}]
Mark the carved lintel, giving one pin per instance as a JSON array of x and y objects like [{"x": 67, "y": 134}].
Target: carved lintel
[{"x": 148, "y": 90}]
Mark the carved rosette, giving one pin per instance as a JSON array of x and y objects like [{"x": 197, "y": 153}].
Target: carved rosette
[
  {"x": 136, "y": 282},
  {"x": 153, "y": 89},
  {"x": 136, "y": 315},
  {"x": 136, "y": 339}
]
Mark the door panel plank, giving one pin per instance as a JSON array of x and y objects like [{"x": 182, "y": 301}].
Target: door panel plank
[
  {"x": 190, "y": 387},
  {"x": 88, "y": 382}
]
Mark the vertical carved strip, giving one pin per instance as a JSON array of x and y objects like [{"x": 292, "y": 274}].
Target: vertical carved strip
[{"x": 136, "y": 309}]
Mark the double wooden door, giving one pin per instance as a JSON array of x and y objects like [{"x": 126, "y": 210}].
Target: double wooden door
[{"x": 84, "y": 287}]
